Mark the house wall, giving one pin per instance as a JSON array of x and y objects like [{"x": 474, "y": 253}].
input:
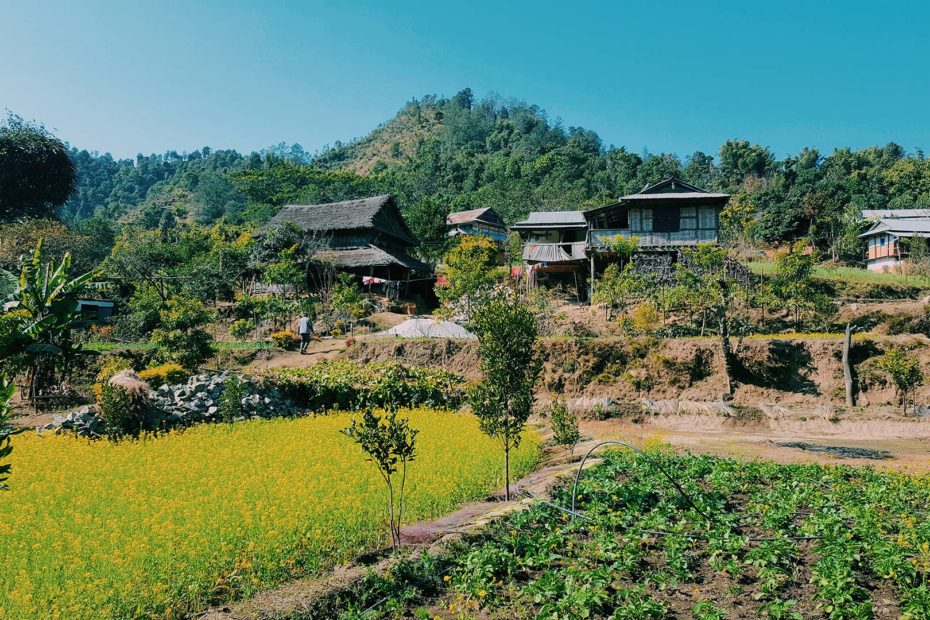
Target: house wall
[{"x": 882, "y": 246}]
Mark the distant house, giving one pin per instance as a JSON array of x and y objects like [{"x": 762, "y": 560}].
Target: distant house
[
  {"x": 367, "y": 237},
  {"x": 662, "y": 217},
  {"x": 884, "y": 251},
  {"x": 554, "y": 243},
  {"x": 484, "y": 221}
]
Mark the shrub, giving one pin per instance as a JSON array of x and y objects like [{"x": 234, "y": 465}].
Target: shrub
[
  {"x": 120, "y": 411},
  {"x": 181, "y": 337},
  {"x": 284, "y": 339},
  {"x": 645, "y": 318},
  {"x": 564, "y": 425},
  {"x": 241, "y": 328},
  {"x": 231, "y": 400},
  {"x": 165, "y": 374},
  {"x": 346, "y": 384}
]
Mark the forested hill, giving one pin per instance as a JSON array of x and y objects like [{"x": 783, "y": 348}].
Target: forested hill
[{"x": 441, "y": 154}]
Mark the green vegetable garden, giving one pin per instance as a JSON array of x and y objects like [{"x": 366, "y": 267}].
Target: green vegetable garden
[{"x": 777, "y": 541}]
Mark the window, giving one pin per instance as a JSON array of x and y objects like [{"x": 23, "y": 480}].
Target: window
[{"x": 666, "y": 219}]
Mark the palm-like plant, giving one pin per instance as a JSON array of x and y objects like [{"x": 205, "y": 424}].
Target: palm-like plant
[{"x": 47, "y": 299}]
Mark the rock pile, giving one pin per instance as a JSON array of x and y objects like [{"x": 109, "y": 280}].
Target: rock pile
[
  {"x": 196, "y": 400},
  {"x": 84, "y": 422}
]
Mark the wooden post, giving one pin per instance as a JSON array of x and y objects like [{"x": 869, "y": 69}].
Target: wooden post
[
  {"x": 847, "y": 368},
  {"x": 591, "y": 288}
]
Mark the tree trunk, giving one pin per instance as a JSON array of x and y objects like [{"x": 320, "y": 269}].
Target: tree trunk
[
  {"x": 847, "y": 367},
  {"x": 727, "y": 352},
  {"x": 507, "y": 473}
]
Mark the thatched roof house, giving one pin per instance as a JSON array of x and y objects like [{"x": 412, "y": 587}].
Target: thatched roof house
[{"x": 367, "y": 236}]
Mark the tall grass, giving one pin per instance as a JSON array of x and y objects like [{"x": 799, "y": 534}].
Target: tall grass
[
  {"x": 164, "y": 526},
  {"x": 845, "y": 274}
]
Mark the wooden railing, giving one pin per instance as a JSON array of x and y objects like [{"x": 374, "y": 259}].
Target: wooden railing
[{"x": 604, "y": 238}]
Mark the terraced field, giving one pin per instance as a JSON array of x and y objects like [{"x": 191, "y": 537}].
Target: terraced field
[{"x": 164, "y": 526}]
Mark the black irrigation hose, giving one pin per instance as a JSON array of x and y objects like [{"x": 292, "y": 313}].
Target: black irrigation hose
[{"x": 677, "y": 486}]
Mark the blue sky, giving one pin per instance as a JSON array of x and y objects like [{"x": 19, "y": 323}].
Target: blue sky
[{"x": 133, "y": 76}]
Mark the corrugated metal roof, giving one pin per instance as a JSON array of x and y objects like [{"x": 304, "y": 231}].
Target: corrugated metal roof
[
  {"x": 882, "y": 214},
  {"x": 673, "y": 195},
  {"x": 553, "y": 218},
  {"x": 466, "y": 216},
  {"x": 899, "y": 227}
]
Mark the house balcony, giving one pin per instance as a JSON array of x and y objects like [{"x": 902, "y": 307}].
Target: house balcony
[
  {"x": 602, "y": 239},
  {"x": 534, "y": 252}
]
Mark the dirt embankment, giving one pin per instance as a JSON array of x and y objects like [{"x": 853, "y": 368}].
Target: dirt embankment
[{"x": 795, "y": 372}]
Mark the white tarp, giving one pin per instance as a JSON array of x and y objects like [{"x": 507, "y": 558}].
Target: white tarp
[{"x": 427, "y": 328}]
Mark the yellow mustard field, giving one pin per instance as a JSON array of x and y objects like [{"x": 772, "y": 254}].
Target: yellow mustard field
[{"x": 164, "y": 526}]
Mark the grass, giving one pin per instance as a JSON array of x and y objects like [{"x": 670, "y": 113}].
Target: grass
[
  {"x": 165, "y": 526},
  {"x": 778, "y": 541},
  {"x": 845, "y": 274}
]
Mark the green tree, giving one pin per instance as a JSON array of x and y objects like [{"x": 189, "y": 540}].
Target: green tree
[
  {"x": 904, "y": 370},
  {"x": 739, "y": 159},
  {"x": 427, "y": 221},
  {"x": 286, "y": 272},
  {"x": 470, "y": 270},
  {"x": 347, "y": 301},
  {"x": 181, "y": 337},
  {"x": 390, "y": 444},
  {"x": 7, "y": 388},
  {"x": 230, "y": 407},
  {"x": 794, "y": 285},
  {"x": 36, "y": 172},
  {"x": 510, "y": 364},
  {"x": 615, "y": 288},
  {"x": 708, "y": 269}
]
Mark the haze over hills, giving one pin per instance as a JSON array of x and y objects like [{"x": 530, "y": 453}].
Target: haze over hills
[{"x": 439, "y": 154}]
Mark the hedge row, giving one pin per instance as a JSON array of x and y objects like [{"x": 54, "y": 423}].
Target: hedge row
[{"x": 348, "y": 385}]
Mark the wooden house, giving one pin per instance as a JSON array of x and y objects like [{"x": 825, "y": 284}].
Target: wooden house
[
  {"x": 884, "y": 250},
  {"x": 484, "y": 221},
  {"x": 662, "y": 217},
  {"x": 554, "y": 245},
  {"x": 367, "y": 237}
]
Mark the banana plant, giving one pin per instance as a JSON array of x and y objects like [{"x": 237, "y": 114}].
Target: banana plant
[{"x": 47, "y": 299}]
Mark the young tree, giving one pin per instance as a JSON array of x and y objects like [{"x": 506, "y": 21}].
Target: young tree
[
  {"x": 904, "y": 370},
  {"x": 708, "y": 268},
  {"x": 347, "y": 301},
  {"x": 510, "y": 363},
  {"x": 615, "y": 288},
  {"x": 6, "y": 430},
  {"x": 793, "y": 282},
  {"x": 470, "y": 272},
  {"x": 564, "y": 425},
  {"x": 390, "y": 443}
]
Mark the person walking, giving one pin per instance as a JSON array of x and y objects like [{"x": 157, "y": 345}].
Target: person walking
[{"x": 305, "y": 331}]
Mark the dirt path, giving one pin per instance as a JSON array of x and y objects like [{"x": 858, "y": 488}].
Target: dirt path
[
  {"x": 319, "y": 350},
  {"x": 907, "y": 441}
]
